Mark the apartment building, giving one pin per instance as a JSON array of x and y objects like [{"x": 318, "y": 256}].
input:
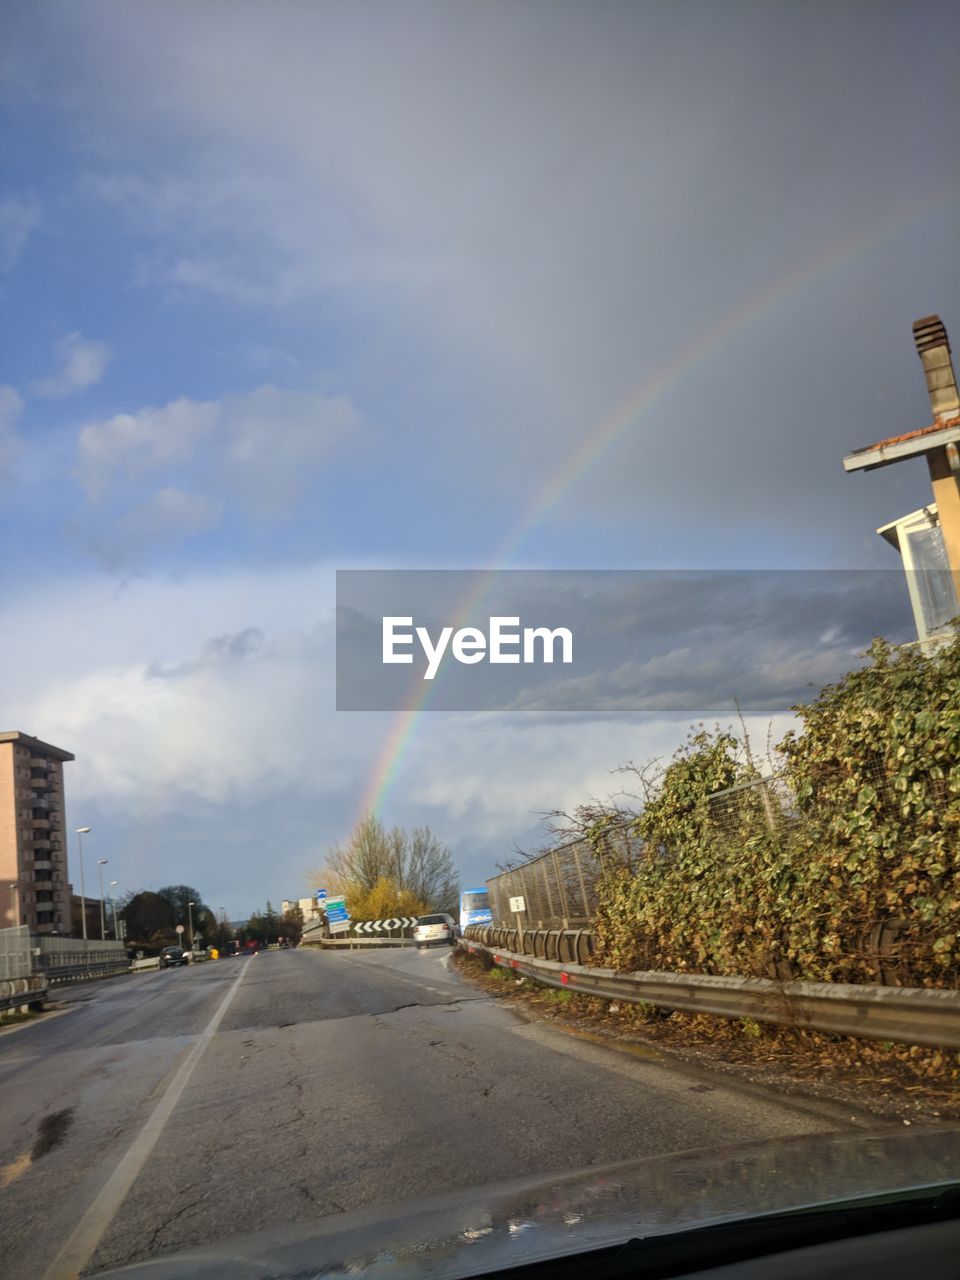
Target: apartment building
[
  {"x": 34, "y": 888},
  {"x": 308, "y": 906}
]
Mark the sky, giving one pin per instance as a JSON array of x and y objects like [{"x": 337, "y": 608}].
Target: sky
[{"x": 295, "y": 288}]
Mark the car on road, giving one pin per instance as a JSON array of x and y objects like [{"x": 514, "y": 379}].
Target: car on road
[
  {"x": 170, "y": 956},
  {"x": 438, "y": 927}
]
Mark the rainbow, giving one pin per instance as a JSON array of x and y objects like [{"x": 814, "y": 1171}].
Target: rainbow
[{"x": 601, "y": 438}]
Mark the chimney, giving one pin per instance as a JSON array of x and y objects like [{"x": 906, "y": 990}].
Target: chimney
[{"x": 933, "y": 348}]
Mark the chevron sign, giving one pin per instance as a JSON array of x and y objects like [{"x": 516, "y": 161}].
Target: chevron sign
[{"x": 384, "y": 926}]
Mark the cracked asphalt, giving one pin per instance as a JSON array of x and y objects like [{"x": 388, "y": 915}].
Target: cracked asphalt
[{"x": 331, "y": 1083}]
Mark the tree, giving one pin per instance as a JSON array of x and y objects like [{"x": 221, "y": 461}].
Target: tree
[
  {"x": 291, "y": 924},
  {"x": 148, "y": 916},
  {"x": 385, "y": 900},
  {"x": 389, "y": 868},
  {"x": 180, "y": 896}
]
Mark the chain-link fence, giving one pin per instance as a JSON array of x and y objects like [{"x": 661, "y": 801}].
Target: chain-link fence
[
  {"x": 559, "y": 887},
  {"x": 15, "y": 957},
  {"x": 769, "y": 803}
]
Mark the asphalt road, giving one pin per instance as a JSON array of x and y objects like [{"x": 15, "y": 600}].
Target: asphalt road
[{"x": 170, "y": 1109}]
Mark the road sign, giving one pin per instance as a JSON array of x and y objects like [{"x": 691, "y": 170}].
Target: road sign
[
  {"x": 336, "y": 909},
  {"x": 385, "y": 926},
  {"x": 321, "y": 895},
  {"x": 179, "y": 928},
  {"x": 339, "y": 926},
  {"x": 517, "y": 904}
]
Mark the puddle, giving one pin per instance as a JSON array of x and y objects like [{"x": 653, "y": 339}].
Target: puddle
[
  {"x": 621, "y": 1046},
  {"x": 51, "y": 1132}
]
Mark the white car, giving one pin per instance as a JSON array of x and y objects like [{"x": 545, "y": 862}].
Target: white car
[{"x": 438, "y": 927}]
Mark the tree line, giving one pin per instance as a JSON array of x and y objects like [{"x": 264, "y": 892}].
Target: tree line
[{"x": 151, "y": 918}]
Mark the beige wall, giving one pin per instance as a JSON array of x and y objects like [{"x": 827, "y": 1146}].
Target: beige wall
[
  {"x": 33, "y": 841},
  {"x": 9, "y": 859}
]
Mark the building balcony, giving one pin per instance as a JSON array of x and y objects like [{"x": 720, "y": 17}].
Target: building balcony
[
  {"x": 44, "y": 908},
  {"x": 43, "y": 865},
  {"x": 39, "y": 762},
  {"x": 41, "y": 842},
  {"x": 39, "y": 779},
  {"x": 40, "y": 824}
]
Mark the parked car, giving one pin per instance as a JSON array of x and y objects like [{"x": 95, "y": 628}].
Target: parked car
[
  {"x": 171, "y": 956},
  {"x": 438, "y": 927}
]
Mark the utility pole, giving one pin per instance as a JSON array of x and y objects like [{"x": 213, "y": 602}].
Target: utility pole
[
  {"x": 81, "y": 832},
  {"x": 101, "y": 863}
]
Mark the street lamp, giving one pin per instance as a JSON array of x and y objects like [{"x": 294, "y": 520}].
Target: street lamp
[
  {"x": 101, "y": 863},
  {"x": 113, "y": 904},
  {"x": 81, "y": 832},
  {"x": 190, "y": 906}
]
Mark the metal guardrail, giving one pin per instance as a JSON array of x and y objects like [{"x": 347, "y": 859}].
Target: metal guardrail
[
  {"x": 16, "y": 992},
  {"x": 357, "y": 942},
  {"x": 574, "y": 945},
  {"x": 59, "y": 975},
  {"x": 907, "y": 1015}
]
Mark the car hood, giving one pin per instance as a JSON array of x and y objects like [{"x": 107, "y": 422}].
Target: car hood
[{"x": 510, "y": 1224}]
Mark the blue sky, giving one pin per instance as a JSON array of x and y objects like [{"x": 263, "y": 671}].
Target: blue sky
[{"x": 295, "y": 287}]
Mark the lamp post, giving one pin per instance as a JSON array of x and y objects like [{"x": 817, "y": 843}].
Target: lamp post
[
  {"x": 113, "y": 904},
  {"x": 222, "y": 922},
  {"x": 190, "y": 906},
  {"x": 81, "y": 832},
  {"x": 101, "y": 863}
]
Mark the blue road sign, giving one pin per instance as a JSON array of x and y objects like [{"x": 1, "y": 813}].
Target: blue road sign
[{"x": 321, "y": 894}]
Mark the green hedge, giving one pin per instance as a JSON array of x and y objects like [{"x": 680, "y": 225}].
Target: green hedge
[{"x": 857, "y": 881}]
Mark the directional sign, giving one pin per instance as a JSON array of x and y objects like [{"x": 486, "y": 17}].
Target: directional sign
[
  {"x": 385, "y": 926},
  {"x": 321, "y": 895},
  {"x": 339, "y": 926},
  {"x": 336, "y": 909}
]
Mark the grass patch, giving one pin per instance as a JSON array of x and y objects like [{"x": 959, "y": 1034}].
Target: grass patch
[{"x": 10, "y": 1019}]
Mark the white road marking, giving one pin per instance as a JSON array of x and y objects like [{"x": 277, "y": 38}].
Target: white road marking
[{"x": 89, "y": 1231}]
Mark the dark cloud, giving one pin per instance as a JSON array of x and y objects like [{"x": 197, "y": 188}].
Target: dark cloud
[
  {"x": 220, "y": 651},
  {"x": 652, "y": 642}
]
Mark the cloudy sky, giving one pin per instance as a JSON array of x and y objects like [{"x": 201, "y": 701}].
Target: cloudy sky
[{"x": 289, "y": 288}]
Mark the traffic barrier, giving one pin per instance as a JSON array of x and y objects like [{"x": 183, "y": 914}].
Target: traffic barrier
[
  {"x": 907, "y": 1015},
  {"x": 27, "y": 992},
  {"x": 358, "y": 942}
]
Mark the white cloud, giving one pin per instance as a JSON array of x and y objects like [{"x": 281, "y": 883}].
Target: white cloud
[
  {"x": 553, "y": 222},
  {"x": 168, "y": 515},
  {"x": 492, "y": 776},
  {"x": 264, "y": 447},
  {"x": 11, "y": 406},
  {"x": 80, "y": 363},
  {"x": 131, "y": 444},
  {"x": 193, "y": 705},
  {"x": 19, "y": 217},
  {"x": 277, "y": 440}
]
